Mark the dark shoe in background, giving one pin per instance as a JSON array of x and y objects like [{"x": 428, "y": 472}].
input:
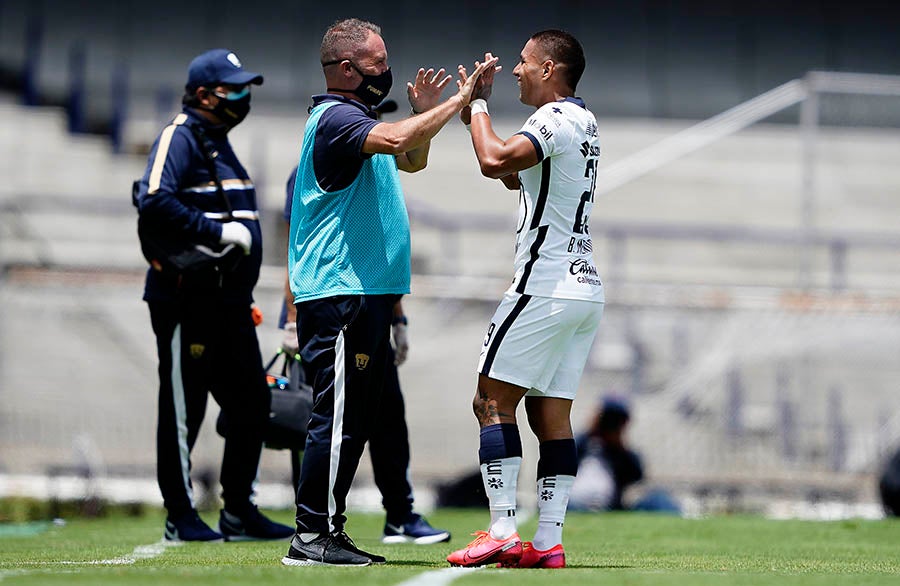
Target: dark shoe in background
[
  {"x": 415, "y": 529},
  {"x": 189, "y": 527},
  {"x": 251, "y": 526}
]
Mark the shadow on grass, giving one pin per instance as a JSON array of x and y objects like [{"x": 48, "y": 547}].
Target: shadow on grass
[
  {"x": 415, "y": 563},
  {"x": 428, "y": 564}
]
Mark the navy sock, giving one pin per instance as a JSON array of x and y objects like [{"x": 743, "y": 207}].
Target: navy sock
[
  {"x": 500, "y": 441},
  {"x": 557, "y": 457}
]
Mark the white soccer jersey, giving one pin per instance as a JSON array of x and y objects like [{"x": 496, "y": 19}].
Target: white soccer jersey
[{"x": 553, "y": 243}]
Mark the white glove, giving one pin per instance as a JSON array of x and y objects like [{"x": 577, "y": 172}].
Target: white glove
[
  {"x": 236, "y": 233},
  {"x": 289, "y": 342},
  {"x": 401, "y": 343}
]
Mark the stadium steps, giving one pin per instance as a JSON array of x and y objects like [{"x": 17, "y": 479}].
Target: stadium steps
[
  {"x": 67, "y": 200},
  {"x": 750, "y": 179}
]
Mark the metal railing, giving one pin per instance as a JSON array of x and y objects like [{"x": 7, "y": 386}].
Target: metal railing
[
  {"x": 837, "y": 243},
  {"x": 806, "y": 236}
]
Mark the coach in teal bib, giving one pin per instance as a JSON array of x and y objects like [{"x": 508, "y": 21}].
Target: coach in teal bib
[
  {"x": 347, "y": 240},
  {"x": 348, "y": 265}
]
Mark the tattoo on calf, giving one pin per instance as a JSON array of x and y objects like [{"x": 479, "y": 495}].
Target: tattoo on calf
[{"x": 487, "y": 414}]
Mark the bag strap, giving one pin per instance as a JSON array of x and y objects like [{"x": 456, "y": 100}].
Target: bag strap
[
  {"x": 207, "y": 149},
  {"x": 271, "y": 362},
  {"x": 288, "y": 359}
]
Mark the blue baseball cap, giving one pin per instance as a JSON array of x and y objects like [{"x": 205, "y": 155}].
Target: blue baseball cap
[
  {"x": 219, "y": 66},
  {"x": 614, "y": 414},
  {"x": 615, "y": 404}
]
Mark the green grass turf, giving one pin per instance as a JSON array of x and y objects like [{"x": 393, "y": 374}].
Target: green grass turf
[{"x": 621, "y": 549}]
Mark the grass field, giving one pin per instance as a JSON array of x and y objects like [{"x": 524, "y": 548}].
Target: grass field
[{"x": 622, "y": 549}]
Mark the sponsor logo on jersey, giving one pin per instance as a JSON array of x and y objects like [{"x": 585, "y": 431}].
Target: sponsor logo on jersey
[
  {"x": 585, "y": 272},
  {"x": 591, "y": 130},
  {"x": 588, "y": 150},
  {"x": 543, "y": 130},
  {"x": 554, "y": 118},
  {"x": 196, "y": 350},
  {"x": 362, "y": 361}
]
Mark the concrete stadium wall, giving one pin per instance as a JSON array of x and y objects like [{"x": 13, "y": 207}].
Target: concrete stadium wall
[{"x": 688, "y": 59}]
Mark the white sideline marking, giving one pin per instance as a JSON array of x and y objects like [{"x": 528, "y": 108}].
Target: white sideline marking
[
  {"x": 17, "y": 573},
  {"x": 440, "y": 577},
  {"x": 141, "y": 552}
]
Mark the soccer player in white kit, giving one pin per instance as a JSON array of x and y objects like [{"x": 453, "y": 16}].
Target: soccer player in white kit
[{"x": 540, "y": 335}]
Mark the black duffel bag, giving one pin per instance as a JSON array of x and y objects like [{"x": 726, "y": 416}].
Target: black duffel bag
[{"x": 290, "y": 409}]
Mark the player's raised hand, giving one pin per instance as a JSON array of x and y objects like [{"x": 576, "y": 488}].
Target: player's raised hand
[
  {"x": 467, "y": 83},
  {"x": 485, "y": 85},
  {"x": 425, "y": 93}
]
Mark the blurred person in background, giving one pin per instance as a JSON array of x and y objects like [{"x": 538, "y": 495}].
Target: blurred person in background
[
  {"x": 349, "y": 263},
  {"x": 389, "y": 441},
  {"x": 540, "y": 335},
  {"x": 202, "y": 318},
  {"x": 889, "y": 485},
  {"x": 607, "y": 467}
]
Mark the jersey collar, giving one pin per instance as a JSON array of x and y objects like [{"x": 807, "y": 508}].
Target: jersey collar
[
  {"x": 577, "y": 101},
  {"x": 320, "y": 98}
]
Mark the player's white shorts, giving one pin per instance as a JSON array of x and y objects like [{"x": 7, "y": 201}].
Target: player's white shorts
[{"x": 540, "y": 343}]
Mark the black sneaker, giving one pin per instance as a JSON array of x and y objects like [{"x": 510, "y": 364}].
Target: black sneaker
[
  {"x": 414, "y": 530},
  {"x": 189, "y": 527},
  {"x": 322, "y": 551},
  {"x": 348, "y": 544},
  {"x": 253, "y": 526}
]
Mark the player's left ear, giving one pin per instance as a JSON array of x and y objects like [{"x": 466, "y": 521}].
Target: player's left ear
[{"x": 547, "y": 68}]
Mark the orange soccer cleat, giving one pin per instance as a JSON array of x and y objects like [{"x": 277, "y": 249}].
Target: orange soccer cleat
[
  {"x": 486, "y": 550},
  {"x": 555, "y": 557}
]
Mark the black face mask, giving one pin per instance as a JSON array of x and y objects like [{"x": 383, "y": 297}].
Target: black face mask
[
  {"x": 232, "y": 111},
  {"x": 373, "y": 89}
]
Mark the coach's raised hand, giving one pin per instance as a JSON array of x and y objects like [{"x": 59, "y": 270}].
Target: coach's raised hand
[
  {"x": 426, "y": 92},
  {"x": 409, "y": 139}
]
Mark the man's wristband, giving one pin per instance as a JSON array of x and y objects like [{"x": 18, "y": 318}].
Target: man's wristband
[
  {"x": 400, "y": 319},
  {"x": 479, "y": 106}
]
